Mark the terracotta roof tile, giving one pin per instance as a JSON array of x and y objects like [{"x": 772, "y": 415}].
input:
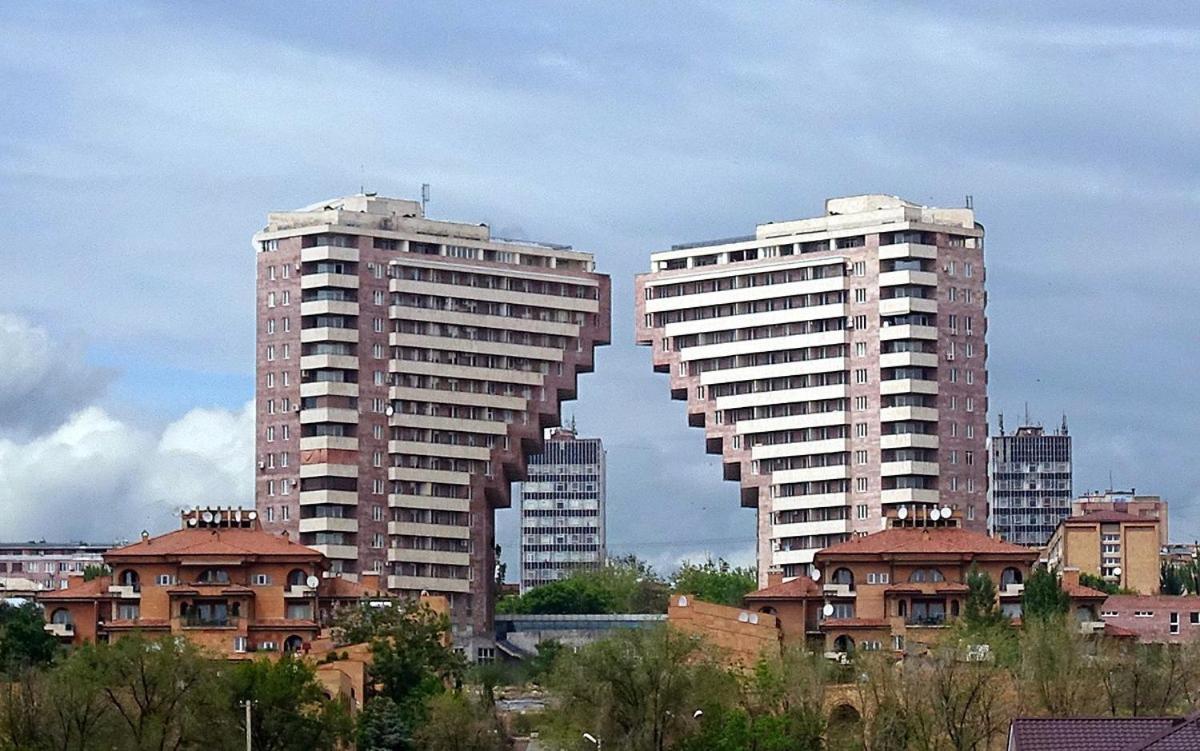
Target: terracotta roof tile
[
  {"x": 206, "y": 542},
  {"x": 952, "y": 540},
  {"x": 79, "y": 588},
  {"x": 1112, "y": 629},
  {"x": 341, "y": 588},
  {"x": 1080, "y": 592},
  {"x": 797, "y": 588},
  {"x": 1086, "y": 733}
]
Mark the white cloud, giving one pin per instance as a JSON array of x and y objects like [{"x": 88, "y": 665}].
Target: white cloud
[{"x": 90, "y": 475}]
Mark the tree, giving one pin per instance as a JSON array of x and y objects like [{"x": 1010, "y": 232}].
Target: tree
[
  {"x": 458, "y": 723},
  {"x": 24, "y": 641},
  {"x": 965, "y": 703},
  {"x": 623, "y": 585},
  {"x": 715, "y": 581},
  {"x": 637, "y": 690},
  {"x": 383, "y": 726},
  {"x": 291, "y": 710},
  {"x": 95, "y": 571},
  {"x": 1056, "y": 669},
  {"x": 1043, "y": 597},
  {"x": 411, "y": 661},
  {"x": 980, "y": 609},
  {"x": 166, "y": 694},
  {"x": 1170, "y": 579},
  {"x": 1099, "y": 584}
]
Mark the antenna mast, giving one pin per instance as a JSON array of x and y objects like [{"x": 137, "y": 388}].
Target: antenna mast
[{"x": 424, "y": 197}]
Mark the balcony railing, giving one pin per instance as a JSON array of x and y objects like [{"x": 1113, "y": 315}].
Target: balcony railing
[
  {"x": 193, "y": 621},
  {"x": 926, "y": 620}
]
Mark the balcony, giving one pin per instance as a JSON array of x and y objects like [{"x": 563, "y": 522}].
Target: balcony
[
  {"x": 344, "y": 497},
  {"x": 329, "y": 524},
  {"x": 212, "y": 621},
  {"x": 895, "y": 414},
  {"x": 908, "y": 440},
  {"x": 908, "y": 278},
  {"x": 328, "y": 253},
  {"x": 318, "y": 362},
  {"x": 299, "y": 591},
  {"x": 932, "y": 619},
  {"x": 418, "y": 529},
  {"x": 429, "y": 583},
  {"x": 907, "y": 250},
  {"x": 316, "y": 281},
  {"x": 909, "y": 495},
  {"x": 893, "y": 469},
  {"x": 337, "y": 551},
  {"x": 907, "y": 386},
  {"x": 125, "y": 591},
  {"x": 328, "y": 334},
  {"x": 898, "y": 306},
  {"x": 908, "y": 360},
  {"x": 61, "y": 630},
  {"x": 908, "y": 331},
  {"x": 839, "y": 590}
]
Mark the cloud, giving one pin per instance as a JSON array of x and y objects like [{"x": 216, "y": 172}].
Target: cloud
[
  {"x": 41, "y": 381},
  {"x": 78, "y": 472}
]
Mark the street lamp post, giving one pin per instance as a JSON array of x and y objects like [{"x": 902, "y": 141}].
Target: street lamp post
[{"x": 593, "y": 739}]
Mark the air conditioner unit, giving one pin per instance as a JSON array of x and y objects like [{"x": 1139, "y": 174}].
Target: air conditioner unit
[
  {"x": 262, "y": 465},
  {"x": 849, "y": 322},
  {"x": 296, "y": 408}
]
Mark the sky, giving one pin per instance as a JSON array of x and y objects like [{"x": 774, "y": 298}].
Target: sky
[{"x": 142, "y": 144}]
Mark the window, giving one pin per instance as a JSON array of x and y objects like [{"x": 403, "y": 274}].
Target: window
[
  {"x": 860, "y": 375},
  {"x": 285, "y": 513},
  {"x": 968, "y": 269},
  {"x": 287, "y": 353},
  {"x": 860, "y": 430},
  {"x": 377, "y": 487},
  {"x": 860, "y": 295},
  {"x": 860, "y": 457},
  {"x": 860, "y": 268},
  {"x": 970, "y": 376},
  {"x": 270, "y": 352},
  {"x": 213, "y": 576},
  {"x": 378, "y": 297},
  {"x": 241, "y": 644},
  {"x": 287, "y": 324},
  {"x": 971, "y": 509},
  {"x": 270, "y": 513},
  {"x": 128, "y": 611},
  {"x": 1194, "y": 618},
  {"x": 270, "y": 325},
  {"x": 1174, "y": 623},
  {"x": 377, "y": 513},
  {"x": 861, "y": 511},
  {"x": 287, "y": 298},
  {"x": 299, "y": 611},
  {"x": 270, "y": 380},
  {"x": 860, "y": 403},
  {"x": 860, "y": 322},
  {"x": 377, "y": 540},
  {"x": 860, "y": 349},
  {"x": 377, "y": 325},
  {"x": 860, "y": 484},
  {"x": 1143, "y": 614},
  {"x": 261, "y": 580},
  {"x": 970, "y": 404},
  {"x": 270, "y": 299},
  {"x": 164, "y": 580}
]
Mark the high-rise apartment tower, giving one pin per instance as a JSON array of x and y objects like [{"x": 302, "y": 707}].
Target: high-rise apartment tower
[
  {"x": 562, "y": 509},
  {"x": 406, "y": 369},
  {"x": 837, "y": 365},
  {"x": 1029, "y": 491}
]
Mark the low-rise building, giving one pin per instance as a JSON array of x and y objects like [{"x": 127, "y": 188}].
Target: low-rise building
[
  {"x": 1104, "y": 733},
  {"x": 743, "y": 635},
  {"x": 1154, "y": 619},
  {"x": 797, "y": 603},
  {"x": 1120, "y": 547},
  {"x": 897, "y": 588},
  {"x": 220, "y": 580},
  {"x": 48, "y": 565}
]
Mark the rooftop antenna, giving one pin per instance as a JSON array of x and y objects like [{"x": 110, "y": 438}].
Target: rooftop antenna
[
  {"x": 424, "y": 197},
  {"x": 362, "y": 179},
  {"x": 1064, "y": 424},
  {"x": 1026, "y": 413},
  {"x": 970, "y": 201},
  {"x": 1001, "y": 423}
]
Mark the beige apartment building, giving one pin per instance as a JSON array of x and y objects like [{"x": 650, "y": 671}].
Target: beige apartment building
[
  {"x": 1120, "y": 547},
  {"x": 406, "y": 367},
  {"x": 837, "y": 365}
]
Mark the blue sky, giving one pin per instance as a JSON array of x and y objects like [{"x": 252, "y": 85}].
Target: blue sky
[{"x": 142, "y": 144}]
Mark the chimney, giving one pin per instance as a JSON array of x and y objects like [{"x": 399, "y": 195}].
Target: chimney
[
  {"x": 774, "y": 576},
  {"x": 1070, "y": 577},
  {"x": 370, "y": 581}
]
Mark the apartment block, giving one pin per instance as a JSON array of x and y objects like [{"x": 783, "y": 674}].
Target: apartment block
[
  {"x": 407, "y": 367},
  {"x": 27, "y": 567},
  {"x": 1119, "y": 547},
  {"x": 1127, "y": 502},
  {"x": 837, "y": 364},
  {"x": 562, "y": 509},
  {"x": 1029, "y": 488}
]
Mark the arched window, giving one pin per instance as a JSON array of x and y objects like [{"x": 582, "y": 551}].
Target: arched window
[
  {"x": 843, "y": 644},
  {"x": 293, "y": 644},
  {"x": 62, "y": 616},
  {"x": 922, "y": 575},
  {"x": 214, "y": 576},
  {"x": 843, "y": 576},
  {"x": 767, "y": 609},
  {"x": 129, "y": 578},
  {"x": 297, "y": 577},
  {"x": 1010, "y": 576}
]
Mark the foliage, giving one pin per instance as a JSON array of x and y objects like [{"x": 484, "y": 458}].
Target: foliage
[
  {"x": 980, "y": 609},
  {"x": 290, "y": 707},
  {"x": 637, "y": 690},
  {"x": 1043, "y": 597},
  {"x": 1170, "y": 579},
  {"x": 624, "y": 585},
  {"x": 24, "y": 641},
  {"x": 383, "y": 726},
  {"x": 1056, "y": 668},
  {"x": 715, "y": 581},
  {"x": 1099, "y": 584},
  {"x": 411, "y": 661},
  {"x": 459, "y": 723},
  {"x": 95, "y": 571}
]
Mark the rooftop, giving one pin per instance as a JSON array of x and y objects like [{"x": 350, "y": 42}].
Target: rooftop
[
  {"x": 799, "y": 587},
  {"x": 1095, "y": 517},
  {"x": 1105, "y": 733},
  {"x": 925, "y": 540},
  {"x": 214, "y": 541}
]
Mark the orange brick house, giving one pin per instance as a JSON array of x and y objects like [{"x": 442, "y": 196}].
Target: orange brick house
[
  {"x": 896, "y": 589},
  {"x": 220, "y": 580}
]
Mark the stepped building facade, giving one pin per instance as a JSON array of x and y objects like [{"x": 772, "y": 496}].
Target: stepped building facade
[
  {"x": 406, "y": 369},
  {"x": 837, "y": 365}
]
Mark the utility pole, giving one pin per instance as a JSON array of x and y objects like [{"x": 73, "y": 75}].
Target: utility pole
[{"x": 247, "y": 704}]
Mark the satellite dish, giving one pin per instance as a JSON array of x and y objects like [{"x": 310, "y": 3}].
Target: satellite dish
[
  {"x": 207, "y": 517},
  {"x": 389, "y": 410},
  {"x": 902, "y": 513},
  {"x": 816, "y": 574},
  {"x": 1117, "y": 571},
  {"x": 827, "y": 610},
  {"x": 312, "y": 582},
  {"x": 191, "y": 521},
  {"x": 251, "y": 515},
  {"x": 945, "y": 512},
  {"x": 935, "y": 513}
]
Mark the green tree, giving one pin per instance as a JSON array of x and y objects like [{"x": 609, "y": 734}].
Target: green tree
[
  {"x": 95, "y": 571},
  {"x": 715, "y": 581},
  {"x": 290, "y": 707},
  {"x": 623, "y": 585},
  {"x": 1170, "y": 579},
  {"x": 456, "y": 722},
  {"x": 24, "y": 641},
  {"x": 383, "y": 726},
  {"x": 980, "y": 609},
  {"x": 638, "y": 689},
  {"x": 1099, "y": 584},
  {"x": 1043, "y": 597},
  {"x": 411, "y": 661},
  {"x": 1057, "y": 672}
]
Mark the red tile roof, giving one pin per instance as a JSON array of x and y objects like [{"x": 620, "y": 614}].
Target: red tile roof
[
  {"x": 798, "y": 588},
  {"x": 1107, "y": 516},
  {"x": 854, "y": 623},
  {"x": 215, "y": 542},
  {"x": 1086, "y": 733},
  {"x": 79, "y": 589},
  {"x": 1080, "y": 592},
  {"x": 337, "y": 587},
  {"x": 1112, "y": 629},
  {"x": 946, "y": 540}
]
